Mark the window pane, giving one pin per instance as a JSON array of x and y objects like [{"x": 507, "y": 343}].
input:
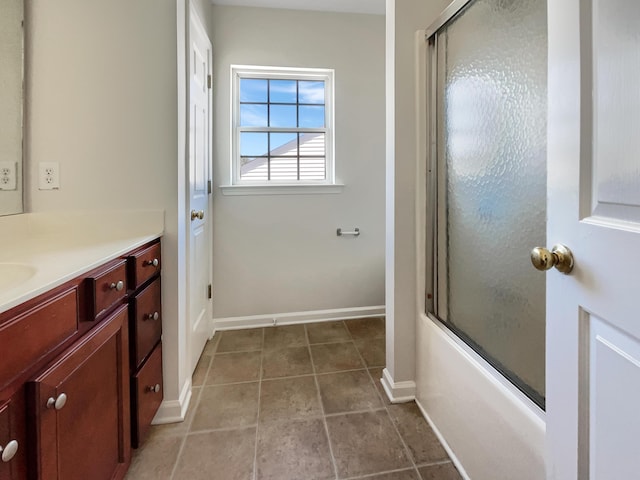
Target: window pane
[
  {"x": 311, "y": 92},
  {"x": 254, "y": 169},
  {"x": 253, "y": 90},
  {"x": 312, "y": 168},
  {"x": 253, "y": 144},
  {"x": 282, "y": 91},
  {"x": 312, "y": 145},
  {"x": 252, "y": 115},
  {"x": 284, "y": 168},
  {"x": 282, "y": 116},
  {"x": 284, "y": 144},
  {"x": 312, "y": 117}
]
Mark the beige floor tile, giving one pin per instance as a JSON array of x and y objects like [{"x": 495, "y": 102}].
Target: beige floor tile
[
  {"x": 327, "y": 332},
  {"x": 155, "y": 458},
  {"x": 211, "y": 345},
  {"x": 240, "y": 340},
  {"x": 179, "y": 428},
  {"x": 234, "y": 367},
  {"x": 334, "y": 357},
  {"x": 289, "y": 398},
  {"x": 284, "y": 336},
  {"x": 286, "y": 362},
  {"x": 200, "y": 373},
  {"x": 444, "y": 471},
  {"x": 226, "y": 406},
  {"x": 366, "y": 327},
  {"x": 373, "y": 351},
  {"x": 417, "y": 434},
  {"x": 223, "y": 455},
  {"x": 366, "y": 443},
  {"x": 348, "y": 392},
  {"x": 376, "y": 375},
  {"x": 294, "y": 450}
]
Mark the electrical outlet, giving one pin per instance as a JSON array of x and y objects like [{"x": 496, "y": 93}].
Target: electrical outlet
[
  {"x": 49, "y": 176},
  {"x": 8, "y": 180}
]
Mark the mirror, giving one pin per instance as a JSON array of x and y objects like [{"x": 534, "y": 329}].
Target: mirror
[{"x": 11, "y": 105}]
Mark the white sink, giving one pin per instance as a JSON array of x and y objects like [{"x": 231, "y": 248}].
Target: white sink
[{"x": 13, "y": 274}]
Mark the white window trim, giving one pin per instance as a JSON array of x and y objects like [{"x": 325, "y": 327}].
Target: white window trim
[{"x": 282, "y": 187}]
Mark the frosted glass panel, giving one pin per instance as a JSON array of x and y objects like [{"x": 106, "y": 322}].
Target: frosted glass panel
[{"x": 492, "y": 152}]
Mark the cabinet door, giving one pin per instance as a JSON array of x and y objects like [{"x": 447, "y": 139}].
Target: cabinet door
[
  {"x": 13, "y": 439},
  {"x": 81, "y": 407}
]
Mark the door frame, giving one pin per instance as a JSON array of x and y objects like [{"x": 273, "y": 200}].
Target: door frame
[{"x": 195, "y": 17}]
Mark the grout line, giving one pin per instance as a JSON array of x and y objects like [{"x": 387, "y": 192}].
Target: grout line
[
  {"x": 431, "y": 464},
  {"x": 255, "y": 450},
  {"x": 354, "y": 412},
  {"x": 386, "y": 409},
  {"x": 395, "y": 427},
  {"x": 349, "y": 340},
  {"x": 222, "y": 429},
  {"x": 324, "y": 416},
  {"x": 195, "y": 406},
  {"x": 386, "y": 472},
  {"x": 333, "y": 372}
]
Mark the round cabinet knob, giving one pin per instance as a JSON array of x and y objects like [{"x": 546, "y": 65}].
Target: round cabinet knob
[
  {"x": 559, "y": 257},
  {"x": 152, "y": 263},
  {"x": 9, "y": 451},
  {"x": 58, "y": 403},
  {"x": 118, "y": 286},
  {"x": 154, "y": 388},
  {"x": 153, "y": 316}
]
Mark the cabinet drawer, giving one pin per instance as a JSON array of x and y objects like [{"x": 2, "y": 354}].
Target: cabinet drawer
[
  {"x": 28, "y": 337},
  {"x": 144, "y": 265},
  {"x": 146, "y": 322},
  {"x": 147, "y": 395},
  {"x": 107, "y": 288}
]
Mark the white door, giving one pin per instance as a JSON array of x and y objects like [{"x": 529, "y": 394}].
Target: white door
[
  {"x": 199, "y": 275},
  {"x": 593, "y": 323}
]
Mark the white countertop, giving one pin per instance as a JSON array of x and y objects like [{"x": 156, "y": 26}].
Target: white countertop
[{"x": 63, "y": 245}]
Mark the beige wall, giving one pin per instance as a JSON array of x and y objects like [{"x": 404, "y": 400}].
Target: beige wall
[
  {"x": 280, "y": 253},
  {"x": 404, "y": 18},
  {"x": 101, "y": 101}
]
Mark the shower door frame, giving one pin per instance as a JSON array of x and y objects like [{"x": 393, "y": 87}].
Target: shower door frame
[{"x": 436, "y": 220}]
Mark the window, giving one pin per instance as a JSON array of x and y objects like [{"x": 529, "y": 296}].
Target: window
[{"x": 282, "y": 126}]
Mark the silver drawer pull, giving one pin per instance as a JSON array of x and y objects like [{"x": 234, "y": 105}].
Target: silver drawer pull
[
  {"x": 57, "y": 403},
  {"x": 152, "y": 316},
  {"x": 117, "y": 286},
  {"x": 151, "y": 263},
  {"x": 153, "y": 388},
  {"x": 9, "y": 451}
]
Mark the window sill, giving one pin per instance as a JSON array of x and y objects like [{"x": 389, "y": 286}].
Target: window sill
[{"x": 281, "y": 189}]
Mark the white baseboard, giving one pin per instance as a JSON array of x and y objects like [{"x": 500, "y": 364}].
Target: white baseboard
[
  {"x": 173, "y": 411},
  {"x": 398, "y": 392},
  {"x": 444, "y": 443},
  {"x": 255, "y": 321}
]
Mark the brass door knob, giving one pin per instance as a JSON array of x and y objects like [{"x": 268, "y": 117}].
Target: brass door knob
[
  {"x": 199, "y": 215},
  {"x": 559, "y": 257}
]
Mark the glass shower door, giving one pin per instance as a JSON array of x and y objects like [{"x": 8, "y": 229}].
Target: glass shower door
[{"x": 489, "y": 185}]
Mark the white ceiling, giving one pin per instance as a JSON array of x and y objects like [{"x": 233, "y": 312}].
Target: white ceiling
[{"x": 351, "y": 6}]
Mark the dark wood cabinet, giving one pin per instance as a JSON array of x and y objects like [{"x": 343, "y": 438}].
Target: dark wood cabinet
[
  {"x": 70, "y": 359},
  {"x": 81, "y": 407},
  {"x": 145, "y": 339},
  {"x": 13, "y": 438}
]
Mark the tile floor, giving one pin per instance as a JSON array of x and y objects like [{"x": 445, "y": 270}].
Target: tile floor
[{"x": 299, "y": 402}]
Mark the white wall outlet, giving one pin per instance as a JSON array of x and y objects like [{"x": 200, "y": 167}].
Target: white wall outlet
[
  {"x": 8, "y": 180},
  {"x": 49, "y": 176}
]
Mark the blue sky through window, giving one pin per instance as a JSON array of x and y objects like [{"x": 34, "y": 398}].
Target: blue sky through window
[{"x": 279, "y": 103}]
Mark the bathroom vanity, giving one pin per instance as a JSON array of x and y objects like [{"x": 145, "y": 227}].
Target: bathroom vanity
[{"x": 81, "y": 369}]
